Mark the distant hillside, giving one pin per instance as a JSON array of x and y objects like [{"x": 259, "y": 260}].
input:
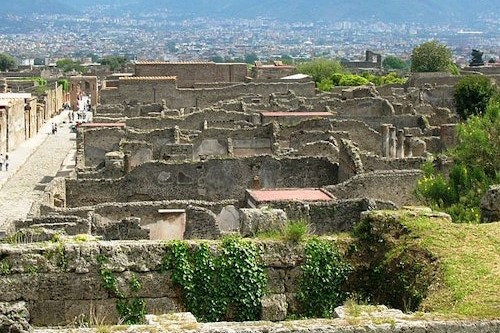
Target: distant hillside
[
  {"x": 20, "y": 7},
  {"x": 425, "y": 11},
  {"x": 397, "y": 11}
]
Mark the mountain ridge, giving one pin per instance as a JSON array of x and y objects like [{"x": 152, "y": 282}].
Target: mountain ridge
[{"x": 390, "y": 11}]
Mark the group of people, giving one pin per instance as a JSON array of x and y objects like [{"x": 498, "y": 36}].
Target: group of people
[{"x": 4, "y": 161}]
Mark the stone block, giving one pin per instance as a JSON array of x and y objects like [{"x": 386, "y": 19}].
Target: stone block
[
  {"x": 254, "y": 221},
  {"x": 14, "y": 318},
  {"x": 274, "y": 307},
  {"x": 275, "y": 280}
]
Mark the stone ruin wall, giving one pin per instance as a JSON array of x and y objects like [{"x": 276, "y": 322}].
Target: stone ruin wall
[
  {"x": 397, "y": 186},
  {"x": 217, "y": 179},
  {"x": 154, "y": 91},
  {"x": 190, "y": 73},
  {"x": 67, "y": 279}
]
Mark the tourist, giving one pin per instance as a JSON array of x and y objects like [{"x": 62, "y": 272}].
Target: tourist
[
  {"x": 2, "y": 161},
  {"x": 6, "y": 162}
]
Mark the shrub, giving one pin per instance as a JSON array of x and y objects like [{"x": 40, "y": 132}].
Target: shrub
[
  {"x": 472, "y": 95},
  {"x": 296, "y": 230}
]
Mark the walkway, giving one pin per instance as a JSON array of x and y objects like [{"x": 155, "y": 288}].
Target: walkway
[{"x": 32, "y": 166}]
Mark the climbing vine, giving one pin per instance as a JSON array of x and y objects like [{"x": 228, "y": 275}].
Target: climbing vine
[
  {"x": 224, "y": 283},
  {"x": 131, "y": 310},
  {"x": 324, "y": 273}
]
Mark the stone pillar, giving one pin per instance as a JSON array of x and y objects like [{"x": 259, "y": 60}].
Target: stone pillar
[
  {"x": 400, "y": 144},
  {"x": 384, "y": 132},
  {"x": 392, "y": 142},
  {"x": 408, "y": 145},
  {"x": 126, "y": 163},
  {"x": 230, "y": 147},
  {"x": 177, "y": 135}
]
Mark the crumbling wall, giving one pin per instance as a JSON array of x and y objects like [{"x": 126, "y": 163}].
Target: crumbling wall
[
  {"x": 215, "y": 179},
  {"x": 98, "y": 142},
  {"x": 397, "y": 186},
  {"x": 147, "y": 90}
]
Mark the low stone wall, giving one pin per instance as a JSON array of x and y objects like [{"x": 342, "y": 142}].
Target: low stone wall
[{"x": 66, "y": 278}]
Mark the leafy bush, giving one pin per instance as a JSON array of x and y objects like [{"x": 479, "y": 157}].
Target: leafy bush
[
  {"x": 476, "y": 166},
  {"x": 324, "y": 274},
  {"x": 320, "y": 69},
  {"x": 296, "y": 230},
  {"x": 472, "y": 94},
  {"x": 353, "y": 80}
]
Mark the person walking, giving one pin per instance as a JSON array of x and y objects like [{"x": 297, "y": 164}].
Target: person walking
[
  {"x": 6, "y": 162},
  {"x": 2, "y": 161}
]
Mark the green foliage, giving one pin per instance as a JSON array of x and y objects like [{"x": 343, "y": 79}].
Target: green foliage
[
  {"x": 4, "y": 267},
  {"x": 132, "y": 310},
  {"x": 251, "y": 58},
  {"x": 393, "y": 271},
  {"x": 476, "y": 166},
  {"x": 229, "y": 285},
  {"x": 472, "y": 95},
  {"x": 431, "y": 57},
  {"x": 64, "y": 83},
  {"x": 393, "y": 62},
  {"x": 296, "y": 230},
  {"x": 324, "y": 274},
  {"x": 68, "y": 65},
  {"x": 114, "y": 62},
  {"x": 7, "y": 62},
  {"x": 320, "y": 69},
  {"x": 352, "y": 80}
]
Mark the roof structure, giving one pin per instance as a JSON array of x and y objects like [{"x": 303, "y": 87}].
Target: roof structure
[{"x": 289, "y": 194}]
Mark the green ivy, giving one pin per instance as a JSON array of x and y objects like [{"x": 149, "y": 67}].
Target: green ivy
[
  {"x": 324, "y": 274},
  {"x": 4, "y": 267},
  {"x": 224, "y": 286},
  {"x": 131, "y": 310}
]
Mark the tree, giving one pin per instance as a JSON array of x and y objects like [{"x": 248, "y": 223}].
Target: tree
[
  {"x": 251, "y": 58},
  {"x": 69, "y": 65},
  {"x": 393, "y": 62},
  {"x": 472, "y": 94},
  {"x": 114, "y": 62},
  {"x": 7, "y": 62},
  {"x": 320, "y": 69},
  {"x": 431, "y": 57}
]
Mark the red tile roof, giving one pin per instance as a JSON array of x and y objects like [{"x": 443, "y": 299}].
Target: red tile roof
[
  {"x": 290, "y": 194},
  {"x": 296, "y": 114}
]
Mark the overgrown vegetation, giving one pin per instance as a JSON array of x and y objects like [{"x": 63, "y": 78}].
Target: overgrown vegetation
[
  {"x": 218, "y": 284},
  {"x": 132, "y": 310},
  {"x": 324, "y": 274},
  {"x": 476, "y": 166},
  {"x": 328, "y": 73},
  {"x": 390, "y": 268},
  {"x": 472, "y": 95}
]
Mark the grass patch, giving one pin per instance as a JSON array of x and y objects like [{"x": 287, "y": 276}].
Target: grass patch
[
  {"x": 296, "y": 230},
  {"x": 469, "y": 257}
]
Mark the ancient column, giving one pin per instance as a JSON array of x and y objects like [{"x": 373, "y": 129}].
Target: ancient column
[
  {"x": 400, "y": 144},
  {"x": 407, "y": 146},
  {"x": 384, "y": 132},
  {"x": 392, "y": 142},
  {"x": 230, "y": 147}
]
